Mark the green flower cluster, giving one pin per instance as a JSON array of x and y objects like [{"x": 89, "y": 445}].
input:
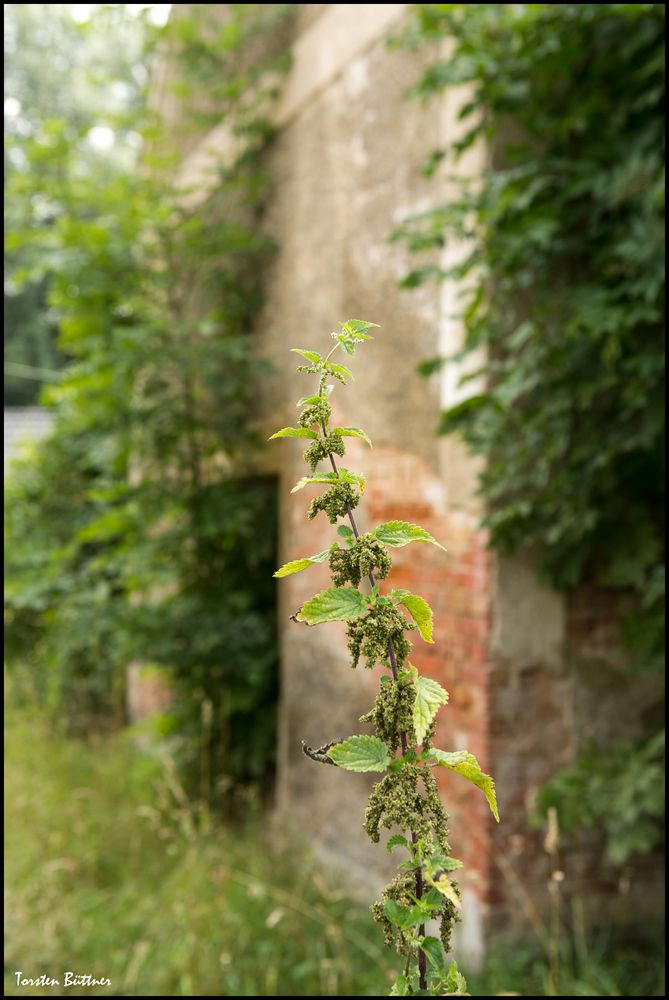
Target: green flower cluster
[
  {"x": 397, "y": 802},
  {"x": 332, "y": 444},
  {"x": 401, "y": 890},
  {"x": 392, "y": 712},
  {"x": 336, "y": 502},
  {"x": 316, "y": 413},
  {"x": 366, "y": 555},
  {"x": 369, "y": 634}
]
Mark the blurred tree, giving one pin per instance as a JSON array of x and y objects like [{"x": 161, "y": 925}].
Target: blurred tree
[
  {"x": 54, "y": 68},
  {"x": 139, "y": 530}
]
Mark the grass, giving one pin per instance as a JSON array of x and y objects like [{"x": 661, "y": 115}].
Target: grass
[{"x": 113, "y": 873}]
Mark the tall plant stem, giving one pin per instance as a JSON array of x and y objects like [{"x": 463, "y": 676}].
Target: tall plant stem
[{"x": 422, "y": 959}]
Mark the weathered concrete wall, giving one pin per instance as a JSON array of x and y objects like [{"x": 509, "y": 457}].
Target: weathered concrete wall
[{"x": 347, "y": 168}]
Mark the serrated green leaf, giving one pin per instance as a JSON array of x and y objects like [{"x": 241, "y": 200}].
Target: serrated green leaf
[
  {"x": 400, "y": 987},
  {"x": 430, "y": 695},
  {"x": 434, "y": 950},
  {"x": 394, "y": 912},
  {"x": 447, "y": 863},
  {"x": 343, "y": 476},
  {"x": 401, "y": 917},
  {"x": 339, "y": 370},
  {"x": 421, "y": 612},
  {"x": 294, "y": 432},
  {"x": 336, "y": 604},
  {"x": 398, "y": 533},
  {"x": 361, "y": 753},
  {"x": 352, "y": 432},
  {"x": 397, "y": 840},
  {"x": 309, "y": 355},
  {"x": 357, "y": 327},
  {"x": 344, "y": 531},
  {"x": 466, "y": 764},
  {"x": 447, "y": 889},
  {"x": 296, "y": 565},
  {"x": 398, "y": 594},
  {"x": 311, "y": 400},
  {"x": 456, "y": 984},
  {"x": 319, "y": 477},
  {"x": 353, "y": 332}
]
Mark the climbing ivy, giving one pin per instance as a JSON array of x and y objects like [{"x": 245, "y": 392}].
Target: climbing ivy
[
  {"x": 405, "y": 801},
  {"x": 563, "y": 263}
]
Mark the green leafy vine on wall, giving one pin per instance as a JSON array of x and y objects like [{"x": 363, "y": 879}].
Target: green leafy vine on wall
[{"x": 564, "y": 256}]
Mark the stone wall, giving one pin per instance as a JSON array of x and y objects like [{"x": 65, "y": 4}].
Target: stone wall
[{"x": 346, "y": 164}]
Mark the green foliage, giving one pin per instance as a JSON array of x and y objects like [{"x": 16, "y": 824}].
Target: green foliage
[
  {"x": 467, "y": 765},
  {"x": 133, "y": 532},
  {"x": 337, "y": 604},
  {"x": 110, "y": 871},
  {"x": 630, "y": 963},
  {"x": 361, "y": 753},
  {"x": 563, "y": 266},
  {"x": 403, "y": 715},
  {"x": 430, "y": 696},
  {"x": 619, "y": 792},
  {"x": 568, "y": 225},
  {"x": 420, "y": 611},
  {"x": 399, "y": 533},
  {"x": 296, "y": 565}
]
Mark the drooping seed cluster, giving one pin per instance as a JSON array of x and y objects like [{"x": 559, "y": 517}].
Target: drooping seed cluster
[
  {"x": 316, "y": 413},
  {"x": 397, "y": 802},
  {"x": 366, "y": 555},
  {"x": 332, "y": 444},
  {"x": 369, "y": 634},
  {"x": 392, "y": 712},
  {"x": 401, "y": 890},
  {"x": 336, "y": 502}
]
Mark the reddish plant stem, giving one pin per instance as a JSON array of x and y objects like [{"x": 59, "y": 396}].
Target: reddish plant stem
[{"x": 422, "y": 958}]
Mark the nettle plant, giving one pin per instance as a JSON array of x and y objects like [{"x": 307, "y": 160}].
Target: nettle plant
[{"x": 406, "y": 800}]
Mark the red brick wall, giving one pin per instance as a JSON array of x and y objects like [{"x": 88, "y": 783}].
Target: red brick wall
[{"x": 457, "y": 586}]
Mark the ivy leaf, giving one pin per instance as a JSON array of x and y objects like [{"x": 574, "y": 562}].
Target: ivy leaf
[
  {"x": 294, "y": 432},
  {"x": 434, "y": 950},
  {"x": 352, "y": 432},
  {"x": 429, "y": 697},
  {"x": 398, "y": 533},
  {"x": 309, "y": 355},
  {"x": 336, "y": 604},
  {"x": 421, "y": 612},
  {"x": 296, "y": 565},
  {"x": 467, "y": 765},
  {"x": 361, "y": 753}
]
